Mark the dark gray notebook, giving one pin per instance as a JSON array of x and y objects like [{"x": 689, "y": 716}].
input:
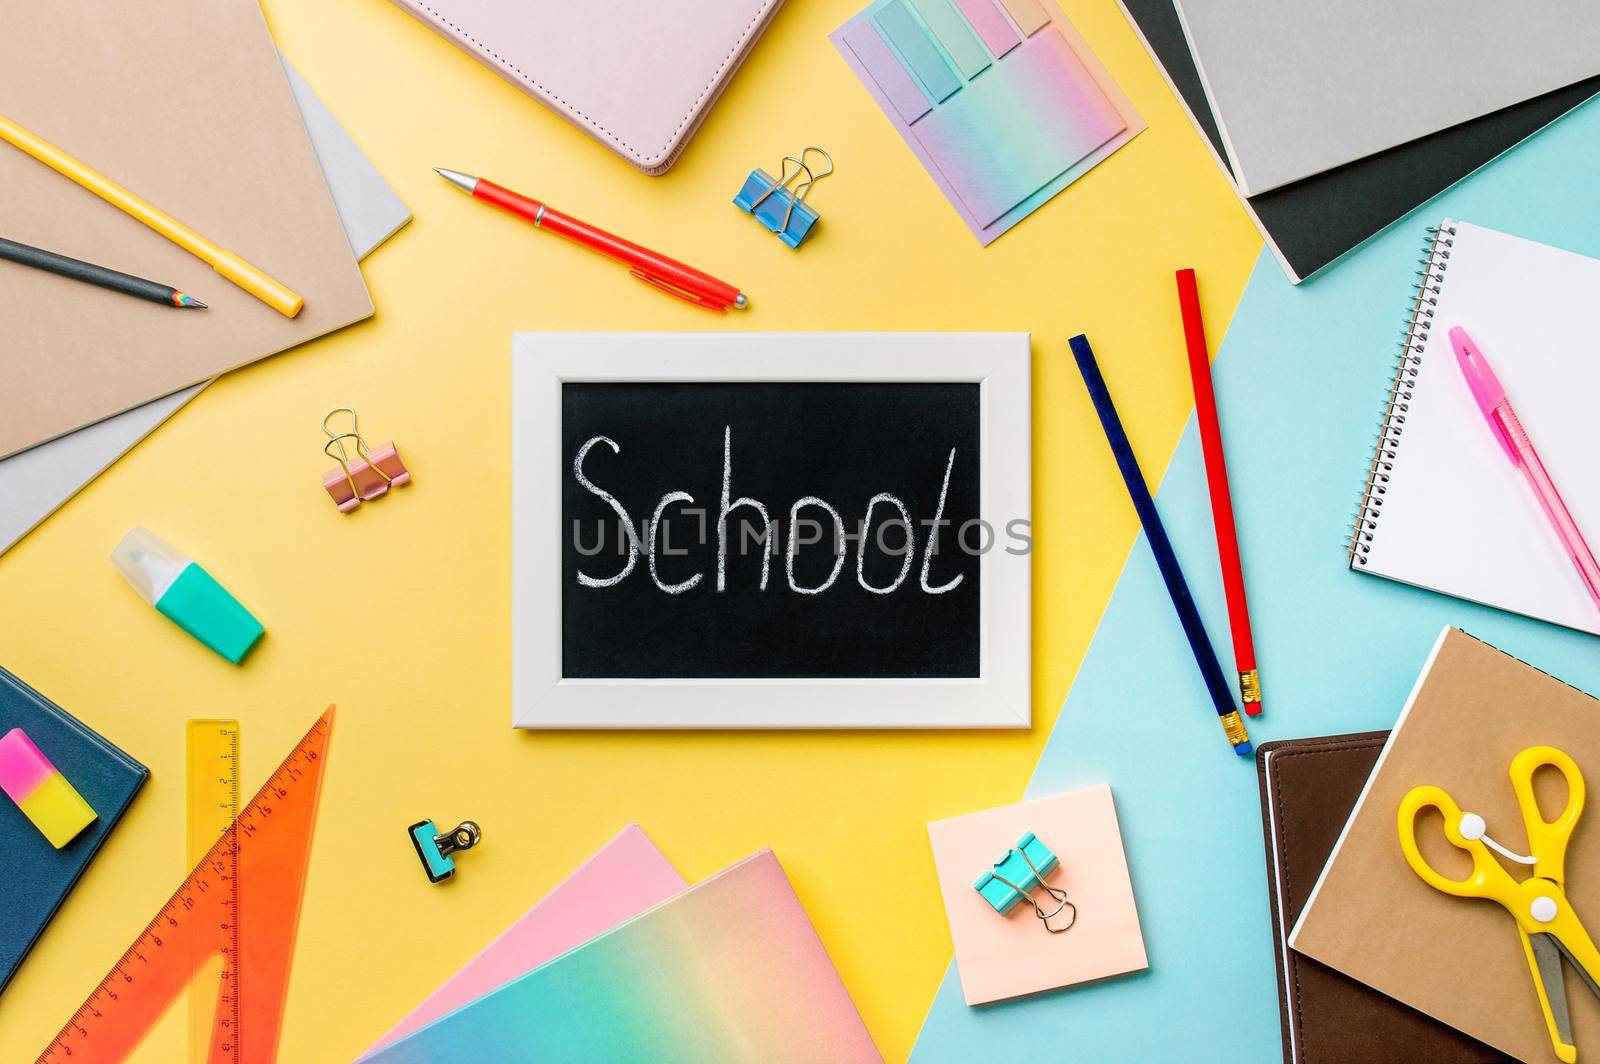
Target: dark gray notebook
[
  {"x": 37, "y": 877},
  {"x": 1311, "y": 223}
]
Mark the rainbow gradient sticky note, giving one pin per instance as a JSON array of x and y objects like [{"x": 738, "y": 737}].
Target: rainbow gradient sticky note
[
  {"x": 1002, "y": 113},
  {"x": 40, "y": 791},
  {"x": 728, "y": 970}
]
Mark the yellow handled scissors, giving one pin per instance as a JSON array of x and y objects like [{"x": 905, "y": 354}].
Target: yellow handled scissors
[{"x": 1545, "y": 920}]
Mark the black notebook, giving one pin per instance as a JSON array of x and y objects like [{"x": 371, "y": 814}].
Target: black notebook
[
  {"x": 1312, "y": 222},
  {"x": 36, "y": 877}
]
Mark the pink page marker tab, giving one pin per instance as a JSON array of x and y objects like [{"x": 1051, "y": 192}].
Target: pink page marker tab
[
  {"x": 997, "y": 33},
  {"x": 22, "y": 766},
  {"x": 881, "y": 65},
  {"x": 41, "y": 791},
  {"x": 1028, "y": 15}
]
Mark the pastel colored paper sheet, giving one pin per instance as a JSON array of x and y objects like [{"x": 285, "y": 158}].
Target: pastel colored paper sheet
[
  {"x": 729, "y": 969},
  {"x": 624, "y": 878}
]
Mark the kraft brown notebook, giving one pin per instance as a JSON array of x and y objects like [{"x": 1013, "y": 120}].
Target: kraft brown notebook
[
  {"x": 1308, "y": 788},
  {"x": 1459, "y": 960},
  {"x": 185, "y": 104}
]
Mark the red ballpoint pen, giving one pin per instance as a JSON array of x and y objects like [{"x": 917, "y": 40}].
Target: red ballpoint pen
[{"x": 669, "y": 275}]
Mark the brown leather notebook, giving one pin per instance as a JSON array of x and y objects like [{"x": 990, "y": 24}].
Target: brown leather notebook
[{"x": 1308, "y": 789}]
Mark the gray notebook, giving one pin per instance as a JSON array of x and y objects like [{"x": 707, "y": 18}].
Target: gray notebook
[
  {"x": 1299, "y": 87},
  {"x": 36, "y": 482}
]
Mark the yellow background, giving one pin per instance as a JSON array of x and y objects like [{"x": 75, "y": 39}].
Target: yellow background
[{"x": 399, "y": 612}]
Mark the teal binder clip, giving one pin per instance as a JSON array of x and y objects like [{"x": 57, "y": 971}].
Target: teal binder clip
[
  {"x": 774, "y": 204},
  {"x": 434, "y": 850},
  {"x": 1013, "y": 877}
]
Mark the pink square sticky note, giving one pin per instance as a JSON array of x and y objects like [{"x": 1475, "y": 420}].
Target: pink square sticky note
[{"x": 1002, "y": 957}]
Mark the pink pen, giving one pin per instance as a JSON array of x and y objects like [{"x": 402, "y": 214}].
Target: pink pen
[{"x": 1503, "y": 422}]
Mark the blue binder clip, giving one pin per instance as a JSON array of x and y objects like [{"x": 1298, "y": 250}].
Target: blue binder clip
[
  {"x": 1013, "y": 878},
  {"x": 434, "y": 849},
  {"x": 778, "y": 207}
]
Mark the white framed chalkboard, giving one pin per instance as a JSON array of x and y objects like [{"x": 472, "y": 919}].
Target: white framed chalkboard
[{"x": 759, "y": 530}]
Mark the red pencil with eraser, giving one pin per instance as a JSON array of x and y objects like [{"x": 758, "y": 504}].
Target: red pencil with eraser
[{"x": 1205, "y": 405}]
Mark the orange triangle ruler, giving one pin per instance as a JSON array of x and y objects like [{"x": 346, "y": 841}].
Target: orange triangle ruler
[{"x": 242, "y": 901}]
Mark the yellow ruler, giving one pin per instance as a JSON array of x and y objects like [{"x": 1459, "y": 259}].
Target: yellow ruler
[{"x": 211, "y": 807}]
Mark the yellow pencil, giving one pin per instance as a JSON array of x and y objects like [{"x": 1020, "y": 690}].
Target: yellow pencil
[{"x": 273, "y": 293}]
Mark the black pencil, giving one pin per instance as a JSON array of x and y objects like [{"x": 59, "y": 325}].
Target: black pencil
[
  {"x": 89, "y": 273},
  {"x": 1166, "y": 558}
]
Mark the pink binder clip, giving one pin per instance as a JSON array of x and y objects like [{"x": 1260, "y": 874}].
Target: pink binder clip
[{"x": 371, "y": 473}]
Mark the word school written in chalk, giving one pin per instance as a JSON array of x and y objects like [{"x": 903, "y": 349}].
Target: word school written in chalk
[{"x": 651, "y": 542}]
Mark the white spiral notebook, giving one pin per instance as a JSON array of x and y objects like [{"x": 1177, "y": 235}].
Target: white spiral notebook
[{"x": 1442, "y": 507}]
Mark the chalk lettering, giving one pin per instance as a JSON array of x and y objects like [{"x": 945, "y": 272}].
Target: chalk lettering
[
  {"x": 611, "y": 500},
  {"x": 932, "y": 546},
  {"x": 729, "y": 507},
  {"x": 861, "y": 544},
  {"x": 794, "y": 545},
  {"x": 655, "y": 526}
]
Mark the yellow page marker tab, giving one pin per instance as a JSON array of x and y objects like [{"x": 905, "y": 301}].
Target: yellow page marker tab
[
  {"x": 1029, "y": 15},
  {"x": 211, "y": 807}
]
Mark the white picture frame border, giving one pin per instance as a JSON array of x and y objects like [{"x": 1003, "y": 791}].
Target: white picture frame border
[{"x": 999, "y": 697}]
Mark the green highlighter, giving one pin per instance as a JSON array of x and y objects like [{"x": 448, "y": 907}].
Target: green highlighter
[{"x": 190, "y": 597}]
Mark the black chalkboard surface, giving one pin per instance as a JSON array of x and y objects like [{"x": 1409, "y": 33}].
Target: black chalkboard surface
[{"x": 630, "y": 611}]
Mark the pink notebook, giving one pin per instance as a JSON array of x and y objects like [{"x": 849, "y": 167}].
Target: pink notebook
[
  {"x": 637, "y": 76},
  {"x": 624, "y": 878}
]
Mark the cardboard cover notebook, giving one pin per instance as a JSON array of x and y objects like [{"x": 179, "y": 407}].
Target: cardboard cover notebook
[
  {"x": 1308, "y": 787},
  {"x": 638, "y": 77},
  {"x": 191, "y": 111},
  {"x": 37, "y": 877},
  {"x": 1460, "y": 960},
  {"x": 34, "y": 483}
]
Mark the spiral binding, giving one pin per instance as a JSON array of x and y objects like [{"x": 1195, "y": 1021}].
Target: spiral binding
[{"x": 1408, "y": 363}]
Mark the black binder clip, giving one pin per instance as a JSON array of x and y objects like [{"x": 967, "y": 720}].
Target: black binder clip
[
  {"x": 778, "y": 207},
  {"x": 434, "y": 850}
]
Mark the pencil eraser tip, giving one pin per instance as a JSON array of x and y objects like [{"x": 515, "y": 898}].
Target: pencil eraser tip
[
  {"x": 1252, "y": 709},
  {"x": 1244, "y": 749}
]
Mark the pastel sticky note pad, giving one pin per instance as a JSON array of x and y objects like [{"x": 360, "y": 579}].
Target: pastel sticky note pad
[
  {"x": 1029, "y": 15},
  {"x": 916, "y": 51},
  {"x": 43, "y": 794},
  {"x": 868, "y": 46},
  {"x": 997, "y": 33},
  {"x": 955, "y": 33},
  {"x": 1019, "y": 126},
  {"x": 1002, "y": 957}
]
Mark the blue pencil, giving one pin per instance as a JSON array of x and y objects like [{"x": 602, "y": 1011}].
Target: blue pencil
[{"x": 1166, "y": 558}]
